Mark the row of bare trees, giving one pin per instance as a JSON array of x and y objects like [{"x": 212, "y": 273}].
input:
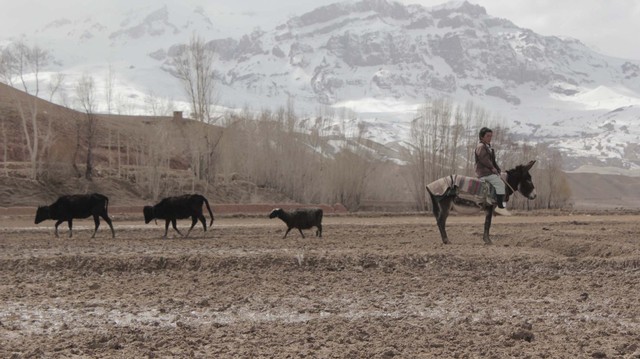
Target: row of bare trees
[
  {"x": 303, "y": 158},
  {"x": 18, "y": 62},
  {"x": 276, "y": 150},
  {"x": 20, "y": 67}
]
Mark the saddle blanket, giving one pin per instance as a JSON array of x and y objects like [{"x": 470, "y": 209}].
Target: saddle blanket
[{"x": 479, "y": 190}]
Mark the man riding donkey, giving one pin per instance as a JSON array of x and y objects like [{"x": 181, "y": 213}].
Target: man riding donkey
[{"x": 487, "y": 169}]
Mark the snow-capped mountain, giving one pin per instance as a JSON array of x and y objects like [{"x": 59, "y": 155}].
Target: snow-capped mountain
[{"x": 380, "y": 59}]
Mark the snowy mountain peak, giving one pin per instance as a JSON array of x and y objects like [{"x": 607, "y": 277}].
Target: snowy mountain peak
[
  {"x": 173, "y": 21},
  {"x": 380, "y": 59},
  {"x": 454, "y": 48},
  {"x": 154, "y": 24},
  {"x": 460, "y": 7},
  {"x": 335, "y": 11}
]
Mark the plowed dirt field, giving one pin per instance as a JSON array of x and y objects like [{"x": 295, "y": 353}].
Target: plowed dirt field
[{"x": 551, "y": 286}]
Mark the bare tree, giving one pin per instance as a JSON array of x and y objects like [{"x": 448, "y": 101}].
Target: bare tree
[
  {"x": 473, "y": 118},
  {"x": 20, "y": 67},
  {"x": 5, "y": 146},
  {"x": 438, "y": 114},
  {"x": 193, "y": 67},
  {"x": 349, "y": 173},
  {"x": 551, "y": 182},
  {"x": 55, "y": 82},
  {"x": 85, "y": 91},
  {"x": 124, "y": 105},
  {"x": 76, "y": 151},
  {"x": 158, "y": 106},
  {"x": 47, "y": 140},
  {"x": 155, "y": 157},
  {"x": 416, "y": 156},
  {"x": 108, "y": 87},
  {"x": 429, "y": 147}
]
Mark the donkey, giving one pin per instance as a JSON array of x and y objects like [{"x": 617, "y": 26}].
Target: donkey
[{"x": 517, "y": 179}]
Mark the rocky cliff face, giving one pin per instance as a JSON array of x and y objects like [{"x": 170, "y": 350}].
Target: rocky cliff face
[{"x": 381, "y": 48}]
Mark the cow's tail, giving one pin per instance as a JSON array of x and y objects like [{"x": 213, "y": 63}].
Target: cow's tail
[{"x": 208, "y": 208}]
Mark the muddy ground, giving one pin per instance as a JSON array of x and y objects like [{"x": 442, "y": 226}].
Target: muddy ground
[{"x": 551, "y": 286}]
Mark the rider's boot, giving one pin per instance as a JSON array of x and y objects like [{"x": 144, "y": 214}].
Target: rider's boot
[
  {"x": 501, "y": 209},
  {"x": 500, "y": 200}
]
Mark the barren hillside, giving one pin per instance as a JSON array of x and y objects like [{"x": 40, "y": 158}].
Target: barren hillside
[
  {"x": 132, "y": 156},
  {"x": 604, "y": 191},
  {"x": 141, "y": 158}
]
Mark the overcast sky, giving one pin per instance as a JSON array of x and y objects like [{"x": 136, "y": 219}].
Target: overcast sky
[{"x": 611, "y": 27}]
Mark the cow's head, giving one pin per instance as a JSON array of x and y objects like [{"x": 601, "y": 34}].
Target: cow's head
[
  {"x": 276, "y": 213},
  {"x": 148, "y": 213},
  {"x": 43, "y": 213}
]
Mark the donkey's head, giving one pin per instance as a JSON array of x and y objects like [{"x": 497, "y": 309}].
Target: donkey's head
[{"x": 520, "y": 180}]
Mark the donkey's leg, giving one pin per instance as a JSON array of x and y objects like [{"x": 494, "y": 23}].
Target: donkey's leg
[
  {"x": 487, "y": 223},
  {"x": 435, "y": 204},
  {"x": 444, "y": 206}
]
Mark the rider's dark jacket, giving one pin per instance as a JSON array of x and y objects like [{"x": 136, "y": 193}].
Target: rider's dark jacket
[{"x": 485, "y": 160}]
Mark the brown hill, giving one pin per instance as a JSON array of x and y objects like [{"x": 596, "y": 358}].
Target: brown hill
[{"x": 135, "y": 158}]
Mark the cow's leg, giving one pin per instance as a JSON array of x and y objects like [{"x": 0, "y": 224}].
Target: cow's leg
[
  {"x": 174, "y": 224},
  {"x": 96, "y": 220},
  {"x": 487, "y": 223},
  {"x": 57, "y": 224},
  {"x": 194, "y": 220},
  {"x": 287, "y": 232},
  {"x": 319, "y": 231},
  {"x": 70, "y": 228},
  {"x": 106, "y": 218},
  {"x": 203, "y": 221},
  {"x": 166, "y": 228},
  {"x": 302, "y": 234}
]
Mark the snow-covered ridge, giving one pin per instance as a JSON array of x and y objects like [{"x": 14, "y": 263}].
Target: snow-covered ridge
[{"x": 378, "y": 58}]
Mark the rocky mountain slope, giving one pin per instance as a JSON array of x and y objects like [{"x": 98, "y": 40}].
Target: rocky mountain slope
[{"x": 380, "y": 59}]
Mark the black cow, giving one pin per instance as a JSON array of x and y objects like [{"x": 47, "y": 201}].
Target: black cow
[
  {"x": 180, "y": 207},
  {"x": 301, "y": 218},
  {"x": 68, "y": 207}
]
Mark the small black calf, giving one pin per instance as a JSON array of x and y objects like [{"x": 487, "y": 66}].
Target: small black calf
[
  {"x": 66, "y": 208},
  {"x": 301, "y": 218},
  {"x": 172, "y": 208}
]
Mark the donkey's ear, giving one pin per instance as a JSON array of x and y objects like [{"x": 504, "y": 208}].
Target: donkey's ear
[{"x": 530, "y": 164}]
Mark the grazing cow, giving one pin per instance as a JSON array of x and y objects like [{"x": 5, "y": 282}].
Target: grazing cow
[
  {"x": 66, "y": 208},
  {"x": 302, "y": 218},
  {"x": 180, "y": 207}
]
